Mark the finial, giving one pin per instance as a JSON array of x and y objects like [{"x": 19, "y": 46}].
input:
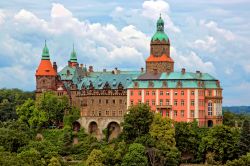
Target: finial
[
  {"x": 45, "y": 42},
  {"x": 160, "y": 15},
  {"x": 73, "y": 47}
]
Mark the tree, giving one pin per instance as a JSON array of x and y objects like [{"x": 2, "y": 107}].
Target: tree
[
  {"x": 95, "y": 158},
  {"x": 135, "y": 156},
  {"x": 137, "y": 122},
  {"x": 220, "y": 141},
  {"x": 31, "y": 157},
  {"x": 244, "y": 141},
  {"x": 54, "y": 162},
  {"x": 161, "y": 130},
  {"x": 26, "y": 111},
  {"x": 243, "y": 160}
]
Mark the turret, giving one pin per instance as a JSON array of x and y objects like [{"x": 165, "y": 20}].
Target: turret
[
  {"x": 73, "y": 58},
  {"x": 159, "y": 60},
  {"x": 45, "y": 73}
]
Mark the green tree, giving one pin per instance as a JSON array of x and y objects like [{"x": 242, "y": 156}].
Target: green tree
[
  {"x": 161, "y": 130},
  {"x": 135, "y": 156},
  {"x": 54, "y": 162},
  {"x": 31, "y": 157},
  {"x": 220, "y": 141},
  {"x": 95, "y": 158},
  {"x": 243, "y": 160},
  {"x": 26, "y": 111},
  {"x": 244, "y": 141},
  {"x": 137, "y": 122}
]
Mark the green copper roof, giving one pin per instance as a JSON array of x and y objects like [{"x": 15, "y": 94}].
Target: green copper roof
[
  {"x": 73, "y": 57},
  {"x": 45, "y": 54},
  {"x": 160, "y": 34}
]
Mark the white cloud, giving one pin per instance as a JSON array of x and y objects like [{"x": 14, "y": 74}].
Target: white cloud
[
  {"x": 58, "y": 10},
  {"x": 2, "y": 17},
  {"x": 207, "y": 44},
  {"x": 191, "y": 62},
  {"x": 213, "y": 27}
]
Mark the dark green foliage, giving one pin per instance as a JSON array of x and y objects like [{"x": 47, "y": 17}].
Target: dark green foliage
[
  {"x": 9, "y": 100},
  {"x": 31, "y": 157},
  {"x": 137, "y": 122},
  {"x": 233, "y": 119},
  {"x": 71, "y": 116},
  {"x": 220, "y": 143},
  {"x": 244, "y": 142},
  {"x": 188, "y": 137}
]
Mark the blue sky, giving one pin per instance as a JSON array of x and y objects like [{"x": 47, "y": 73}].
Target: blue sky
[{"x": 207, "y": 35}]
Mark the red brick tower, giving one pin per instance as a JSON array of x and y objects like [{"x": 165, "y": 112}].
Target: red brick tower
[
  {"x": 46, "y": 73},
  {"x": 159, "y": 60}
]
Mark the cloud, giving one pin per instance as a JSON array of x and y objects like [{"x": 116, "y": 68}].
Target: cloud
[
  {"x": 207, "y": 44},
  {"x": 149, "y": 12},
  {"x": 2, "y": 17},
  {"x": 191, "y": 62},
  {"x": 213, "y": 27}
]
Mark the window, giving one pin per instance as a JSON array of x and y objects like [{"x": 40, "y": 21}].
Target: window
[
  {"x": 209, "y": 93},
  {"x": 131, "y": 93},
  {"x": 182, "y": 93},
  {"x": 161, "y": 101},
  {"x": 167, "y": 93},
  {"x": 153, "y": 93},
  {"x": 167, "y": 102},
  {"x": 182, "y": 103},
  {"x": 182, "y": 113},
  {"x": 210, "y": 108},
  {"x": 147, "y": 102},
  {"x": 92, "y": 101},
  {"x": 131, "y": 102},
  {"x": 175, "y": 93},
  {"x": 161, "y": 93},
  {"x": 120, "y": 101},
  {"x": 192, "y": 92},
  {"x": 153, "y": 102},
  {"x": 147, "y": 93},
  {"x": 113, "y": 113},
  {"x": 192, "y": 113},
  {"x": 107, "y": 101},
  {"x": 113, "y": 101},
  {"x": 120, "y": 112},
  {"x": 100, "y": 101},
  {"x": 139, "y": 93},
  {"x": 175, "y": 113},
  {"x": 175, "y": 102},
  {"x": 192, "y": 102},
  {"x": 100, "y": 113},
  {"x": 201, "y": 102},
  {"x": 107, "y": 113}
]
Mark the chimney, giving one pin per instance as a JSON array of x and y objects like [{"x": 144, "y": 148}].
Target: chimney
[
  {"x": 113, "y": 72},
  {"x": 81, "y": 66},
  {"x": 104, "y": 70},
  {"x": 183, "y": 71},
  {"x": 55, "y": 66},
  {"x": 198, "y": 72},
  {"x": 142, "y": 70},
  {"x": 91, "y": 69}
]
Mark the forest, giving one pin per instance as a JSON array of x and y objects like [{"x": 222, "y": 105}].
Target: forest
[{"x": 40, "y": 133}]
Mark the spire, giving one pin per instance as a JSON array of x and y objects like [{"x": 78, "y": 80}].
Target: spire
[
  {"x": 45, "y": 54},
  {"x": 160, "y": 24},
  {"x": 73, "y": 57}
]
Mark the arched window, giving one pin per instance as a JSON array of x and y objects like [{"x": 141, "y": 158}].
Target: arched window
[{"x": 210, "y": 108}]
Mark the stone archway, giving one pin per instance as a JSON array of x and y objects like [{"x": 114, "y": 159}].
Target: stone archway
[
  {"x": 93, "y": 128},
  {"x": 114, "y": 130},
  {"x": 76, "y": 126},
  {"x": 210, "y": 123}
]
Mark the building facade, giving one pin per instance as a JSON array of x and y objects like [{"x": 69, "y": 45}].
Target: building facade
[{"x": 103, "y": 97}]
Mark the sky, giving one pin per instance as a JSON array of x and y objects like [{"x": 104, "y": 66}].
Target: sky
[{"x": 211, "y": 36}]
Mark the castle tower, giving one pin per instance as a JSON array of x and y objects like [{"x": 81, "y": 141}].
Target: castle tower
[
  {"x": 159, "y": 60},
  {"x": 45, "y": 73},
  {"x": 73, "y": 59}
]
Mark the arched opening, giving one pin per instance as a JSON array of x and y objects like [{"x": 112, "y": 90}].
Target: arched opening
[
  {"x": 114, "y": 130},
  {"x": 76, "y": 126},
  {"x": 209, "y": 123},
  {"x": 93, "y": 128}
]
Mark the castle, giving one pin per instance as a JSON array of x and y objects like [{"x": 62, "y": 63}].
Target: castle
[{"x": 103, "y": 97}]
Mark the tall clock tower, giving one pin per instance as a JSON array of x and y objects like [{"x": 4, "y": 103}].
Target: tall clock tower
[{"x": 159, "y": 60}]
